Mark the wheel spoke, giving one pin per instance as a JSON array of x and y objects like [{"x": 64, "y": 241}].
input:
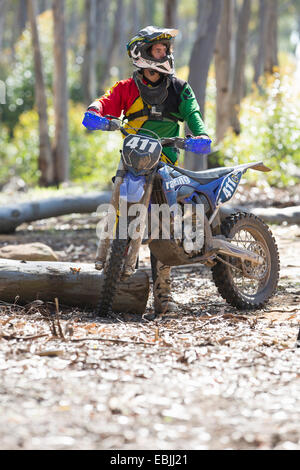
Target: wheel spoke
[{"x": 249, "y": 286}]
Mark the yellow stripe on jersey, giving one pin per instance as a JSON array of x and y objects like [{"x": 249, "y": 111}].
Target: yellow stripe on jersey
[{"x": 138, "y": 105}]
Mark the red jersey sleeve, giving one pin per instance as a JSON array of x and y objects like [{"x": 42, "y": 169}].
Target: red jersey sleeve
[{"x": 117, "y": 99}]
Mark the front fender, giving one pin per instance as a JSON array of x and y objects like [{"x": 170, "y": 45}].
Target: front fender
[{"x": 132, "y": 188}]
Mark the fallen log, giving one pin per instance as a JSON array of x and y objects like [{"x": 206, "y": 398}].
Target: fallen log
[
  {"x": 74, "y": 284},
  {"x": 271, "y": 215},
  {"x": 13, "y": 216},
  {"x": 276, "y": 215}
]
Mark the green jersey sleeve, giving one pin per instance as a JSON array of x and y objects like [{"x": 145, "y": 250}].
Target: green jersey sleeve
[{"x": 190, "y": 111}]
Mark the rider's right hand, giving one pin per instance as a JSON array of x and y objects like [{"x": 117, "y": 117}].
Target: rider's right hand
[{"x": 93, "y": 121}]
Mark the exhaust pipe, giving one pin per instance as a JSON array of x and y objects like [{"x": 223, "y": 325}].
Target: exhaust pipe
[{"x": 226, "y": 248}]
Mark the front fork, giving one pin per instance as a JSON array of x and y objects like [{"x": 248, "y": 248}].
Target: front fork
[
  {"x": 105, "y": 242},
  {"x": 135, "y": 244}
]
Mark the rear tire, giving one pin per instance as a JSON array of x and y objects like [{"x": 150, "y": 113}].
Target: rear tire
[{"x": 253, "y": 290}]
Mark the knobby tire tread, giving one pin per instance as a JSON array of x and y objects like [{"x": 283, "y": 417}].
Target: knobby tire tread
[
  {"x": 221, "y": 279},
  {"x": 112, "y": 276}
]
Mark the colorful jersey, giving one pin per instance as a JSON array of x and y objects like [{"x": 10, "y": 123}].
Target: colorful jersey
[{"x": 180, "y": 105}]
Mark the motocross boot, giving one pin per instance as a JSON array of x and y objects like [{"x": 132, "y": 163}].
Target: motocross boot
[
  {"x": 163, "y": 302},
  {"x": 99, "y": 265}
]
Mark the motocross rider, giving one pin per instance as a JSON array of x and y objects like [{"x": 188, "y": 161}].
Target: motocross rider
[{"x": 154, "y": 99}]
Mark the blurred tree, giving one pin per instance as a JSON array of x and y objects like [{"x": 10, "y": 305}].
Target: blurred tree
[
  {"x": 21, "y": 17},
  {"x": 45, "y": 163},
  {"x": 113, "y": 43},
  {"x": 134, "y": 15},
  {"x": 89, "y": 62},
  {"x": 102, "y": 31},
  {"x": 19, "y": 9},
  {"x": 270, "y": 47},
  {"x": 209, "y": 14},
  {"x": 236, "y": 91},
  {"x": 267, "y": 50},
  {"x": 222, "y": 70},
  {"x": 43, "y": 5},
  {"x": 72, "y": 25},
  {"x": 262, "y": 39},
  {"x": 61, "y": 144},
  {"x": 3, "y": 5},
  {"x": 149, "y": 10},
  {"x": 170, "y": 19}
]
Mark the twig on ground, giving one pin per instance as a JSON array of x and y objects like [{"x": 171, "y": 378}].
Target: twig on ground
[
  {"x": 24, "y": 338},
  {"x": 57, "y": 319},
  {"x": 112, "y": 340}
]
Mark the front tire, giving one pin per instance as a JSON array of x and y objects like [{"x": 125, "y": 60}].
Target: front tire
[
  {"x": 243, "y": 284},
  {"x": 112, "y": 275}
]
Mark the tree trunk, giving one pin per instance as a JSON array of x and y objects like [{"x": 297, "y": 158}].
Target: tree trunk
[
  {"x": 43, "y": 6},
  {"x": 170, "y": 19},
  {"x": 3, "y": 5},
  {"x": 44, "y": 280},
  {"x": 45, "y": 163},
  {"x": 222, "y": 70},
  {"x": 102, "y": 31},
  {"x": 209, "y": 14},
  {"x": 21, "y": 17},
  {"x": 89, "y": 63},
  {"x": 115, "y": 40},
  {"x": 270, "y": 47},
  {"x": 239, "y": 67},
  {"x": 13, "y": 216},
  {"x": 72, "y": 26},
  {"x": 149, "y": 12},
  {"x": 61, "y": 144},
  {"x": 19, "y": 22},
  {"x": 262, "y": 39}
]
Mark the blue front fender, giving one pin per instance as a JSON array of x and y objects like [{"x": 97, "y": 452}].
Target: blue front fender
[{"x": 132, "y": 188}]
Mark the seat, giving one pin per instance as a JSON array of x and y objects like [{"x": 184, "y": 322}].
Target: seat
[{"x": 206, "y": 176}]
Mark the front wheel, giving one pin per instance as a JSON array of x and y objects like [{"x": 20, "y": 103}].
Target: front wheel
[
  {"x": 242, "y": 283},
  {"x": 112, "y": 275}
]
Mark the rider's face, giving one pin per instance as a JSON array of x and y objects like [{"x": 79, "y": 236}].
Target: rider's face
[{"x": 159, "y": 51}]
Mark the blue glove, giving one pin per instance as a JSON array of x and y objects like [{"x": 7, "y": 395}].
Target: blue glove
[
  {"x": 197, "y": 145},
  {"x": 93, "y": 122}
]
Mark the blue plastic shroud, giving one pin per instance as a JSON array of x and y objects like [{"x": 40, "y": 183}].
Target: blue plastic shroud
[
  {"x": 197, "y": 145},
  {"x": 93, "y": 122}
]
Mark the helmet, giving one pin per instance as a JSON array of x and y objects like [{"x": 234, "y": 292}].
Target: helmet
[{"x": 139, "y": 49}]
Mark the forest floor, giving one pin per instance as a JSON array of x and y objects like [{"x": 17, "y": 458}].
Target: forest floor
[{"x": 209, "y": 378}]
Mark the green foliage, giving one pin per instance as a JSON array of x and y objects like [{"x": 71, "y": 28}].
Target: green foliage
[
  {"x": 270, "y": 119},
  {"x": 94, "y": 156},
  {"x": 269, "y": 116},
  {"x": 20, "y": 78}
]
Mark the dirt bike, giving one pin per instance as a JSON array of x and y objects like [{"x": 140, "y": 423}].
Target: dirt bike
[{"x": 237, "y": 246}]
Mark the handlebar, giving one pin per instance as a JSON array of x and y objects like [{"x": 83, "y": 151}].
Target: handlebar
[{"x": 92, "y": 121}]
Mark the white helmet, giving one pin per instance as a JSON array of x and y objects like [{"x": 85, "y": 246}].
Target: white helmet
[{"x": 139, "y": 49}]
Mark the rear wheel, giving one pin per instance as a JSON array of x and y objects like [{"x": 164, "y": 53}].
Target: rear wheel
[{"x": 241, "y": 283}]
